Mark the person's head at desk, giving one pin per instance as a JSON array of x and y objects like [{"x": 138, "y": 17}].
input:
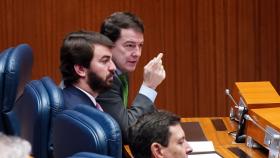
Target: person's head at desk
[
  {"x": 14, "y": 147},
  {"x": 158, "y": 135}
]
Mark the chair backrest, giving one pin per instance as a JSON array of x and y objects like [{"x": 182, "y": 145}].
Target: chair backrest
[
  {"x": 75, "y": 132},
  {"x": 110, "y": 126},
  {"x": 88, "y": 129},
  {"x": 89, "y": 155},
  {"x": 15, "y": 72},
  {"x": 31, "y": 118},
  {"x": 3, "y": 60}
]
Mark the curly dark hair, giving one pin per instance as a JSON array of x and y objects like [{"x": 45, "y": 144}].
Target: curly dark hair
[{"x": 78, "y": 48}]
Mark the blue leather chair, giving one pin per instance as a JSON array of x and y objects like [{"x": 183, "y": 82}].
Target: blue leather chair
[
  {"x": 89, "y": 155},
  {"x": 75, "y": 132},
  {"x": 85, "y": 129},
  {"x": 15, "y": 72},
  {"x": 33, "y": 113},
  {"x": 110, "y": 126},
  {"x": 3, "y": 60}
]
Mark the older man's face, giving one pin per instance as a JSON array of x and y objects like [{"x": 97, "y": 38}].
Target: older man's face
[{"x": 127, "y": 50}]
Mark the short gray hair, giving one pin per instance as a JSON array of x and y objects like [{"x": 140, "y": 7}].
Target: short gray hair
[{"x": 14, "y": 147}]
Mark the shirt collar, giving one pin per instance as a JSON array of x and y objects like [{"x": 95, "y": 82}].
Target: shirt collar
[
  {"x": 118, "y": 72},
  {"x": 90, "y": 96}
]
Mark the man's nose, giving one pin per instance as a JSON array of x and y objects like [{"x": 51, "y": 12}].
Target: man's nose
[
  {"x": 112, "y": 66},
  {"x": 137, "y": 51},
  {"x": 189, "y": 148}
]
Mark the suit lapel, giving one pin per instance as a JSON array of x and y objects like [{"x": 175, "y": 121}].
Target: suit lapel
[{"x": 78, "y": 97}]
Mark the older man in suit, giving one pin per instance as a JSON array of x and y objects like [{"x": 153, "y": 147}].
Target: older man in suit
[{"x": 127, "y": 32}]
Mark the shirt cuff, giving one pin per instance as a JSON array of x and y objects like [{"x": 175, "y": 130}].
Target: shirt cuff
[{"x": 148, "y": 92}]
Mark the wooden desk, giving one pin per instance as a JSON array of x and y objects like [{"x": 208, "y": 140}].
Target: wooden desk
[
  {"x": 256, "y": 94},
  {"x": 263, "y": 104},
  {"x": 221, "y": 139},
  {"x": 264, "y": 117}
]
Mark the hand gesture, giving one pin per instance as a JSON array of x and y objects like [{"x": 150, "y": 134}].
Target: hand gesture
[{"x": 154, "y": 72}]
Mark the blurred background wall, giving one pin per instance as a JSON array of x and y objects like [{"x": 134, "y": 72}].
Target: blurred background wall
[{"x": 207, "y": 44}]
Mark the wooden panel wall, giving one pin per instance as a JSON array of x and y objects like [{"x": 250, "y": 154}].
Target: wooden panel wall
[{"x": 207, "y": 44}]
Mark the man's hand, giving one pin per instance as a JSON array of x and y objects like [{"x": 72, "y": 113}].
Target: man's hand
[{"x": 154, "y": 72}]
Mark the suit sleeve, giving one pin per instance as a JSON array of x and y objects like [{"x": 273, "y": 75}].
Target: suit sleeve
[{"x": 112, "y": 103}]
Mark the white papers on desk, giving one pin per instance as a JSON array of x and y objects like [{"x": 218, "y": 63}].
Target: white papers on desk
[
  {"x": 202, "y": 146},
  {"x": 203, "y": 149},
  {"x": 211, "y": 155}
]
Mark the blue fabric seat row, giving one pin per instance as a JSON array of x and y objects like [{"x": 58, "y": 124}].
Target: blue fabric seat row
[{"x": 34, "y": 110}]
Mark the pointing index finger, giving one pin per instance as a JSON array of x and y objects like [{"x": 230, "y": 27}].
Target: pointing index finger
[{"x": 159, "y": 56}]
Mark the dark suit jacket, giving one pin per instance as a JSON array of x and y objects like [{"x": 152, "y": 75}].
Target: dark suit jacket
[
  {"x": 73, "y": 97},
  {"x": 111, "y": 102}
]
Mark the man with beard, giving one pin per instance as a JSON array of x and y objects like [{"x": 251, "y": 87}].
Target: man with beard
[{"x": 86, "y": 67}]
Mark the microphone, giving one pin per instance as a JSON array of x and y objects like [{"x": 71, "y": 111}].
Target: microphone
[
  {"x": 239, "y": 107},
  {"x": 227, "y": 91},
  {"x": 242, "y": 111}
]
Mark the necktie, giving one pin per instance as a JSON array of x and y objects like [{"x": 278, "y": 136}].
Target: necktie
[
  {"x": 98, "y": 107},
  {"x": 123, "y": 79}
]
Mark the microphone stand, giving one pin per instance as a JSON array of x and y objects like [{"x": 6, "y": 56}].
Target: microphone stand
[
  {"x": 240, "y": 137},
  {"x": 272, "y": 136}
]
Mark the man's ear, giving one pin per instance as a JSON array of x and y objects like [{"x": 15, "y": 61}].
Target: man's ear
[
  {"x": 80, "y": 70},
  {"x": 156, "y": 150}
]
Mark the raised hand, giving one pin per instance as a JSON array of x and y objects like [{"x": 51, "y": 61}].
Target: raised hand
[{"x": 154, "y": 72}]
